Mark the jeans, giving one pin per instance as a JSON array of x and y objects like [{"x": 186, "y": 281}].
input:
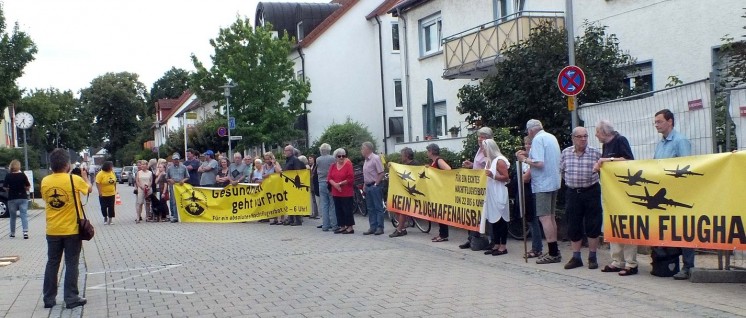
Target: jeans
[
  {"x": 107, "y": 205},
  {"x": 18, "y": 205},
  {"x": 326, "y": 206},
  {"x": 687, "y": 257},
  {"x": 172, "y": 203},
  {"x": 374, "y": 203},
  {"x": 536, "y": 242},
  {"x": 56, "y": 245}
]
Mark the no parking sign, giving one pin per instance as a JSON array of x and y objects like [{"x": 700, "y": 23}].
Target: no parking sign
[{"x": 571, "y": 80}]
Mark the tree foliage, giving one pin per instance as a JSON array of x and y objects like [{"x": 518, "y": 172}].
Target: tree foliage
[
  {"x": 116, "y": 103},
  {"x": 524, "y": 85},
  {"x": 267, "y": 99},
  {"x": 349, "y": 136},
  {"x": 171, "y": 85},
  {"x": 202, "y": 136},
  {"x": 16, "y": 51},
  {"x": 59, "y": 120}
]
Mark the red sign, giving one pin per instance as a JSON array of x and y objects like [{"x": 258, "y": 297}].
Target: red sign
[
  {"x": 571, "y": 80},
  {"x": 743, "y": 111},
  {"x": 695, "y": 104}
]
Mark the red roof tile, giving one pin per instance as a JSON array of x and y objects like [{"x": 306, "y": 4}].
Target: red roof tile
[
  {"x": 331, "y": 19},
  {"x": 382, "y": 9},
  {"x": 168, "y": 106}
]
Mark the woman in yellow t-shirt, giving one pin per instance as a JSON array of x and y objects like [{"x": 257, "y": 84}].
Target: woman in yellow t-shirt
[
  {"x": 62, "y": 228},
  {"x": 106, "y": 183}
]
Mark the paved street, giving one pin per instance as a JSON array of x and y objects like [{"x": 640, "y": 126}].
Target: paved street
[{"x": 257, "y": 270}]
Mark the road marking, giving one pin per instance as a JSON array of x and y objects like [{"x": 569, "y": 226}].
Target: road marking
[{"x": 151, "y": 270}]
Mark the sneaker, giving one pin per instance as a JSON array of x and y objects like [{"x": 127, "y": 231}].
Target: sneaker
[
  {"x": 106, "y": 220},
  {"x": 369, "y": 232},
  {"x": 548, "y": 259},
  {"x": 397, "y": 233},
  {"x": 592, "y": 264},
  {"x": 379, "y": 231},
  {"x": 465, "y": 245},
  {"x": 25, "y": 235},
  {"x": 80, "y": 302},
  {"x": 574, "y": 263},
  {"x": 682, "y": 275}
]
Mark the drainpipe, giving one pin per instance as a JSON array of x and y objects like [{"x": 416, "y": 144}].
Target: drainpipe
[
  {"x": 305, "y": 106},
  {"x": 383, "y": 85},
  {"x": 406, "y": 73}
]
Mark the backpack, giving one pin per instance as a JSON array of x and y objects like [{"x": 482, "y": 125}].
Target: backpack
[{"x": 665, "y": 261}]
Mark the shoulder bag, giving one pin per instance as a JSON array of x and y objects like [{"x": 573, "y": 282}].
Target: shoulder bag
[{"x": 85, "y": 228}]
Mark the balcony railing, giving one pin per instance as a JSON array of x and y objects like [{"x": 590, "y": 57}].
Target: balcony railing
[{"x": 473, "y": 53}]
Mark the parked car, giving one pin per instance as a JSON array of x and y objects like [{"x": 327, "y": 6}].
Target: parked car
[
  {"x": 128, "y": 175},
  {"x": 3, "y": 194},
  {"x": 118, "y": 173}
]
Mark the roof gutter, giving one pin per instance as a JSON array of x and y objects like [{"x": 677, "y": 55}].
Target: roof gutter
[
  {"x": 383, "y": 85},
  {"x": 303, "y": 78}
]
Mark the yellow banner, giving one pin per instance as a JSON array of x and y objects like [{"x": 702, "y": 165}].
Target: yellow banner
[
  {"x": 453, "y": 197},
  {"x": 682, "y": 202},
  {"x": 286, "y": 193}
]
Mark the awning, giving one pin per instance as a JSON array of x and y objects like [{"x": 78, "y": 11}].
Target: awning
[{"x": 396, "y": 126}]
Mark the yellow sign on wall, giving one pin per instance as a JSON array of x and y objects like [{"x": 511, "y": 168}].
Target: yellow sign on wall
[
  {"x": 683, "y": 202},
  {"x": 452, "y": 197},
  {"x": 286, "y": 193}
]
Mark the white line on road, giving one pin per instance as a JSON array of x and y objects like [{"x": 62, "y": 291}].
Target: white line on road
[{"x": 157, "y": 269}]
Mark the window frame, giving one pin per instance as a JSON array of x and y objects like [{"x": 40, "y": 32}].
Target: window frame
[
  {"x": 397, "y": 43},
  {"x": 398, "y": 100},
  {"x": 424, "y": 23}
]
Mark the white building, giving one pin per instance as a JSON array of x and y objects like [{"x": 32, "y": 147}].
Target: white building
[{"x": 167, "y": 116}]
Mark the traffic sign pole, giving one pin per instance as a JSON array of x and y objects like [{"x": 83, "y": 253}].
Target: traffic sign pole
[{"x": 570, "y": 28}]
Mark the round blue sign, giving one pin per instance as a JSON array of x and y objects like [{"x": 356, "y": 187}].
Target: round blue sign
[{"x": 222, "y": 132}]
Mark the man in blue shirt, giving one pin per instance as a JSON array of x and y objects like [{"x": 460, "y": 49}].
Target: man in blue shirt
[{"x": 673, "y": 145}]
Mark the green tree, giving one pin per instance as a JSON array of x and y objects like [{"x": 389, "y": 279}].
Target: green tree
[
  {"x": 16, "y": 51},
  {"x": 171, "y": 85},
  {"x": 59, "y": 120},
  {"x": 267, "y": 99},
  {"x": 116, "y": 102},
  {"x": 524, "y": 85},
  {"x": 202, "y": 136},
  {"x": 349, "y": 136}
]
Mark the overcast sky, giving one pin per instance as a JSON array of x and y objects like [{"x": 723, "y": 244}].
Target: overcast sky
[{"x": 79, "y": 40}]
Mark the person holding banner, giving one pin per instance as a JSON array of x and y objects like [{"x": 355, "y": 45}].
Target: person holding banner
[
  {"x": 480, "y": 162},
  {"x": 433, "y": 152},
  {"x": 583, "y": 197},
  {"x": 407, "y": 158},
  {"x": 372, "y": 174},
  {"x": 223, "y": 178},
  {"x": 673, "y": 145},
  {"x": 544, "y": 160},
  {"x": 615, "y": 147},
  {"x": 271, "y": 166},
  {"x": 496, "y": 208},
  {"x": 237, "y": 169},
  {"x": 208, "y": 170},
  {"x": 177, "y": 173},
  {"x": 258, "y": 174},
  {"x": 293, "y": 163},
  {"x": 341, "y": 178}
]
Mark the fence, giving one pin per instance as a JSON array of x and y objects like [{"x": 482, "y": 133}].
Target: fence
[
  {"x": 633, "y": 117},
  {"x": 737, "y": 106}
]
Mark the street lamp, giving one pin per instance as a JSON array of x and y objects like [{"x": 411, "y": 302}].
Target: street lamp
[
  {"x": 227, "y": 93},
  {"x": 58, "y": 130}
]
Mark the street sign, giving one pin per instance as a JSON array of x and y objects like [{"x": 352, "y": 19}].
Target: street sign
[
  {"x": 222, "y": 132},
  {"x": 191, "y": 115},
  {"x": 571, "y": 80},
  {"x": 232, "y": 123},
  {"x": 155, "y": 149},
  {"x": 236, "y": 137},
  {"x": 571, "y": 103}
]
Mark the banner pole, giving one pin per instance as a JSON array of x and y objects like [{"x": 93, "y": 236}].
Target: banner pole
[{"x": 522, "y": 206}]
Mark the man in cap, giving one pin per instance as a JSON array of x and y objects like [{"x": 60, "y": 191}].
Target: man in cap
[
  {"x": 176, "y": 173},
  {"x": 209, "y": 170}
]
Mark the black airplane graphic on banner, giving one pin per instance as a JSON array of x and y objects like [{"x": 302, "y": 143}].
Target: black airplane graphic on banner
[
  {"x": 406, "y": 175},
  {"x": 634, "y": 179},
  {"x": 413, "y": 190},
  {"x": 423, "y": 176},
  {"x": 654, "y": 202},
  {"x": 296, "y": 182},
  {"x": 682, "y": 173}
]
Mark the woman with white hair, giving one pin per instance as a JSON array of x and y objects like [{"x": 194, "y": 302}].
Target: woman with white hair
[{"x": 496, "y": 208}]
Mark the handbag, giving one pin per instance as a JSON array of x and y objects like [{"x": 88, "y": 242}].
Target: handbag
[{"x": 85, "y": 228}]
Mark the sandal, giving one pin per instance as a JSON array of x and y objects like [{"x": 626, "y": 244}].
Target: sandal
[
  {"x": 628, "y": 271},
  {"x": 611, "y": 269},
  {"x": 533, "y": 254},
  {"x": 438, "y": 239},
  {"x": 499, "y": 252}
]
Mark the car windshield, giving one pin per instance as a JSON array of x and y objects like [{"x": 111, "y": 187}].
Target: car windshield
[{"x": 118, "y": 170}]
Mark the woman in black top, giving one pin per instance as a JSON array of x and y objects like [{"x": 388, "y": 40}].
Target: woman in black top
[
  {"x": 223, "y": 179},
  {"x": 17, "y": 185}
]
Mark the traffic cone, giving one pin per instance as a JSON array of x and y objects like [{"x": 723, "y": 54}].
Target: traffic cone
[{"x": 118, "y": 200}]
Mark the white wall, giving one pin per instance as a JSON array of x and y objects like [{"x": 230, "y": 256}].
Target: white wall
[{"x": 678, "y": 36}]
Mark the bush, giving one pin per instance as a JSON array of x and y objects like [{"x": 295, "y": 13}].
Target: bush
[
  {"x": 349, "y": 136},
  {"x": 453, "y": 159},
  {"x": 8, "y": 154},
  {"x": 508, "y": 144}
]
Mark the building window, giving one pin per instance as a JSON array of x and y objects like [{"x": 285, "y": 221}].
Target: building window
[
  {"x": 395, "y": 37},
  {"x": 441, "y": 119},
  {"x": 431, "y": 35},
  {"x": 506, "y": 9},
  {"x": 398, "y": 97},
  {"x": 640, "y": 78}
]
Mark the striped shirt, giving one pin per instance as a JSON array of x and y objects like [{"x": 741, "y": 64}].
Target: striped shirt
[{"x": 577, "y": 170}]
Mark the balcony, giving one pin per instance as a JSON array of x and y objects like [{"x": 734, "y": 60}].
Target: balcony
[{"x": 473, "y": 53}]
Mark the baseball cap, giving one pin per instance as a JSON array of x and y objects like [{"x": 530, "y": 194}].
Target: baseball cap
[
  {"x": 176, "y": 156},
  {"x": 209, "y": 153}
]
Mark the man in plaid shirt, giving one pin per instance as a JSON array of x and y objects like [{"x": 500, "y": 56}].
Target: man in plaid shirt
[{"x": 583, "y": 197}]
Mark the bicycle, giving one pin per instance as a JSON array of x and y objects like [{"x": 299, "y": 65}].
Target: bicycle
[
  {"x": 360, "y": 206},
  {"x": 422, "y": 224},
  {"x": 516, "y": 223}
]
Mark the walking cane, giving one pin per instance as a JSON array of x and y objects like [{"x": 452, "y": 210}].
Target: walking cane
[{"x": 522, "y": 206}]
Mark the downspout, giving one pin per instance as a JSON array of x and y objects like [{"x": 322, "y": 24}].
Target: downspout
[
  {"x": 406, "y": 74},
  {"x": 305, "y": 106},
  {"x": 383, "y": 85}
]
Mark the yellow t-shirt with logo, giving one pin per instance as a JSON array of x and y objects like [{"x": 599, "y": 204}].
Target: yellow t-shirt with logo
[
  {"x": 56, "y": 191},
  {"x": 108, "y": 182}
]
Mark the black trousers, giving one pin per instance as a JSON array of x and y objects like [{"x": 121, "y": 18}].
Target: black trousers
[
  {"x": 57, "y": 245},
  {"x": 343, "y": 206},
  {"x": 442, "y": 230},
  {"x": 499, "y": 232},
  {"x": 107, "y": 205}
]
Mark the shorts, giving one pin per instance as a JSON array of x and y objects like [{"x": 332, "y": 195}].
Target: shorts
[
  {"x": 546, "y": 203},
  {"x": 584, "y": 212}
]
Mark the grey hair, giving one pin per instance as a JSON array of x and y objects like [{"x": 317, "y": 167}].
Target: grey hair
[
  {"x": 491, "y": 149},
  {"x": 303, "y": 159},
  {"x": 533, "y": 124},
  {"x": 577, "y": 129},
  {"x": 339, "y": 151},
  {"x": 485, "y": 132},
  {"x": 325, "y": 149},
  {"x": 369, "y": 145},
  {"x": 407, "y": 152},
  {"x": 606, "y": 127},
  {"x": 434, "y": 148}
]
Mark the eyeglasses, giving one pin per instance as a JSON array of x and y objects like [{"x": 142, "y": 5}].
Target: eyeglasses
[
  {"x": 341, "y": 156},
  {"x": 581, "y": 136}
]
